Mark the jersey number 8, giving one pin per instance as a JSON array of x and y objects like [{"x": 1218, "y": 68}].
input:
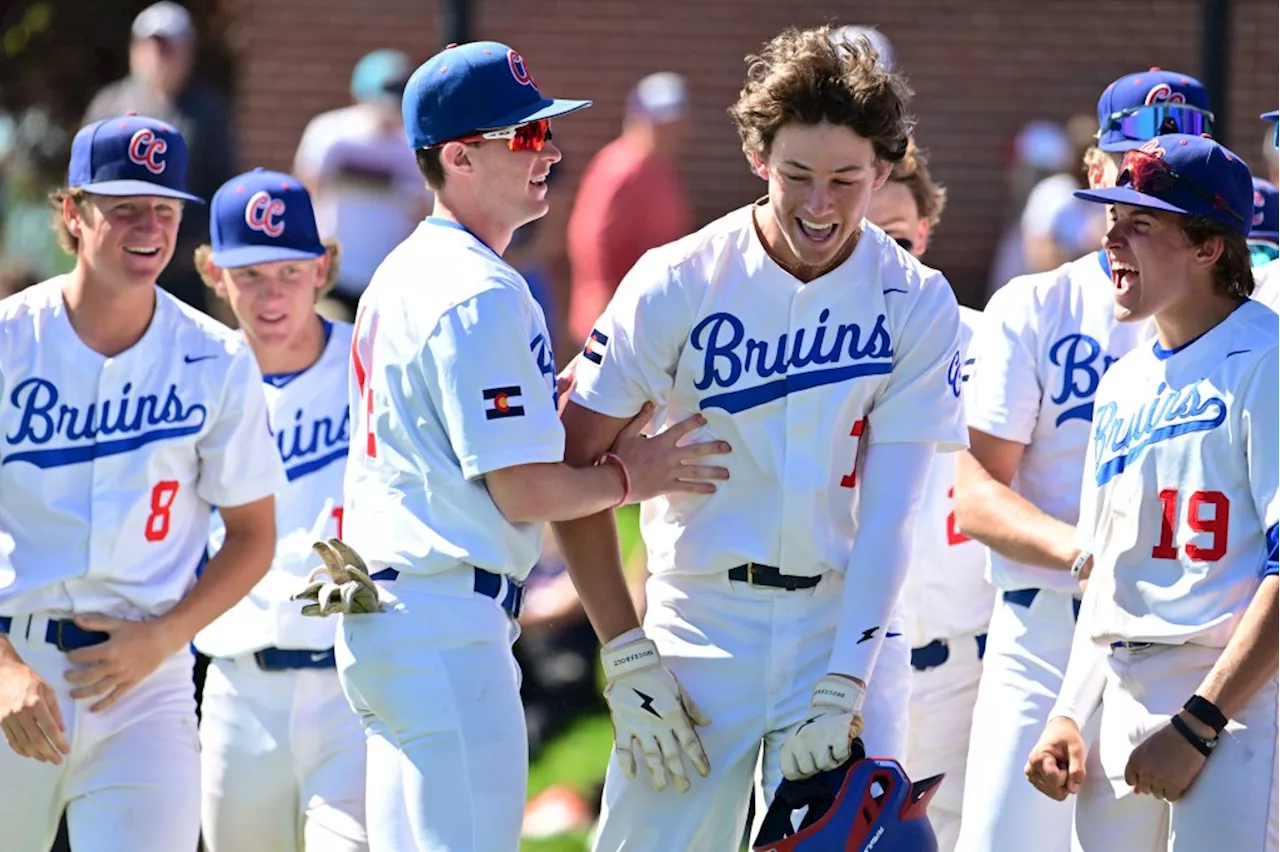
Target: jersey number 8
[{"x": 162, "y": 497}]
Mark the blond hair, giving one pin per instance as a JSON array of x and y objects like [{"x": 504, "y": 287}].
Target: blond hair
[
  {"x": 67, "y": 241},
  {"x": 205, "y": 266}
]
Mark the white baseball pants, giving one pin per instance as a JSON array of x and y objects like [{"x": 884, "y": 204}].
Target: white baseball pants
[
  {"x": 942, "y": 701},
  {"x": 132, "y": 780},
  {"x": 749, "y": 656},
  {"x": 434, "y": 682},
  {"x": 1232, "y": 804},
  {"x": 1027, "y": 652},
  {"x": 282, "y": 759}
]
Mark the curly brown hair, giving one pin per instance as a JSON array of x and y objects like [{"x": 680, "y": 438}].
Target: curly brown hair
[
  {"x": 814, "y": 76},
  {"x": 913, "y": 172}
]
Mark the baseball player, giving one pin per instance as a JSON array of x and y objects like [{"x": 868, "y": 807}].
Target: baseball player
[
  {"x": 1267, "y": 275},
  {"x": 125, "y": 417},
  {"x": 456, "y": 458},
  {"x": 1177, "y": 639},
  {"x": 829, "y": 359},
  {"x": 946, "y": 599},
  {"x": 1264, "y": 233},
  {"x": 1049, "y": 338},
  {"x": 283, "y": 757}
]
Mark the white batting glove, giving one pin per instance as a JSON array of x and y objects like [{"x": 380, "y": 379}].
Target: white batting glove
[
  {"x": 825, "y": 740},
  {"x": 650, "y": 707},
  {"x": 348, "y": 588}
]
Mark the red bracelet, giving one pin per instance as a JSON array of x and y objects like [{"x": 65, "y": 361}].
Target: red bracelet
[{"x": 626, "y": 477}]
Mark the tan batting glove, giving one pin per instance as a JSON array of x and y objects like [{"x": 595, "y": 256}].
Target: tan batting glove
[
  {"x": 650, "y": 708},
  {"x": 825, "y": 740},
  {"x": 347, "y": 589}
]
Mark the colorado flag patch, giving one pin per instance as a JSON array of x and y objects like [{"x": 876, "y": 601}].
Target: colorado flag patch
[
  {"x": 502, "y": 402},
  {"x": 594, "y": 351}
]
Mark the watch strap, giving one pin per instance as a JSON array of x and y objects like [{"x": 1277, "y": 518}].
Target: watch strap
[
  {"x": 1205, "y": 747},
  {"x": 1207, "y": 712}
]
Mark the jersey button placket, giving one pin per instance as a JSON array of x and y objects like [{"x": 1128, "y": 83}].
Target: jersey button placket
[{"x": 103, "y": 528}]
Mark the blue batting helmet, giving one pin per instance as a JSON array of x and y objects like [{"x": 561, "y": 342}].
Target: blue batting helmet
[{"x": 866, "y": 803}]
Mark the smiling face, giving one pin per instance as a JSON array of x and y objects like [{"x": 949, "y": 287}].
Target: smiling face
[
  {"x": 125, "y": 239},
  {"x": 1153, "y": 265},
  {"x": 893, "y": 209},
  {"x": 821, "y": 178},
  {"x": 274, "y": 302},
  {"x": 511, "y": 185}
]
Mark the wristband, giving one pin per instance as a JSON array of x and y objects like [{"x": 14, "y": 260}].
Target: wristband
[
  {"x": 1205, "y": 747},
  {"x": 626, "y": 477},
  {"x": 1207, "y": 712},
  {"x": 1078, "y": 565}
]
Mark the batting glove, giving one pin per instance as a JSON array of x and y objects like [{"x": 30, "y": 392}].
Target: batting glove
[
  {"x": 825, "y": 740},
  {"x": 346, "y": 588},
  {"x": 651, "y": 708}
]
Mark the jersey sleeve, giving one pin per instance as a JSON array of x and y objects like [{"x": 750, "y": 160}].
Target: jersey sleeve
[
  {"x": 921, "y": 401},
  {"x": 495, "y": 381},
  {"x": 630, "y": 356},
  {"x": 1004, "y": 388},
  {"x": 1261, "y": 415},
  {"x": 239, "y": 460}
]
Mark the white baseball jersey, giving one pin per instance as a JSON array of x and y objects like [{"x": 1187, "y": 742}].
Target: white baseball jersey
[
  {"x": 310, "y": 419},
  {"x": 787, "y": 373},
  {"x": 1178, "y": 503},
  {"x": 109, "y": 467},
  {"x": 946, "y": 593},
  {"x": 452, "y": 377},
  {"x": 1048, "y": 338},
  {"x": 1266, "y": 284}
]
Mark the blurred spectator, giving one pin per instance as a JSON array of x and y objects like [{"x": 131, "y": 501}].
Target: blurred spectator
[
  {"x": 631, "y": 199},
  {"x": 1040, "y": 150},
  {"x": 1057, "y": 227},
  {"x": 160, "y": 84},
  {"x": 362, "y": 174},
  {"x": 1264, "y": 238},
  {"x": 32, "y": 159}
]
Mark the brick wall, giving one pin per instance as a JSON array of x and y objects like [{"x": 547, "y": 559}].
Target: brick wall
[{"x": 980, "y": 69}]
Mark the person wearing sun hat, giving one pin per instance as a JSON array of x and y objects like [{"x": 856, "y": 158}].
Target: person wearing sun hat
[
  {"x": 1176, "y": 640},
  {"x": 127, "y": 416},
  {"x": 456, "y": 462},
  {"x": 264, "y": 787}
]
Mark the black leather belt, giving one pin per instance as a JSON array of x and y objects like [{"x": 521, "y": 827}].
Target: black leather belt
[{"x": 764, "y": 575}]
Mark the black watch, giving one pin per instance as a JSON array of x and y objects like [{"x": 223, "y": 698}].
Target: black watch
[
  {"x": 1202, "y": 745},
  {"x": 1207, "y": 712}
]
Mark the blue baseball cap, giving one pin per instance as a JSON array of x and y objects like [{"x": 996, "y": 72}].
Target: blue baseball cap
[
  {"x": 466, "y": 88},
  {"x": 260, "y": 217},
  {"x": 130, "y": 155},
  {"x": 1200, "y": 178},
  {"x": 1142, "y": 106},
  {"x": 1273, "y": 117},
  {"x": 380, "y": 75},
  {"x": 1266, "y": 212}
]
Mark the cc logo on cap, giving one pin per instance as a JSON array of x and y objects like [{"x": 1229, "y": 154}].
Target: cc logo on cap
[
  {"x": 518, "y": 69},
  {"x": 145, "y": 150},
  {"x": 264, "y": 213}
]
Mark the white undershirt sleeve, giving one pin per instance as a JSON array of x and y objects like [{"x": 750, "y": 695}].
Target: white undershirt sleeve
[
  {"x": 891, "y": 491},
  {"x": 1081, "y": 692}
]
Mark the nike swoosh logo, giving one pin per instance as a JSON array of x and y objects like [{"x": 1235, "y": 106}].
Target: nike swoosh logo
[
  {"x": 191, "y": 359},
  {"x": 1237, "y": 352},
  {"x": 319, "y": 657},
  {"x": 891, "y": 635}
]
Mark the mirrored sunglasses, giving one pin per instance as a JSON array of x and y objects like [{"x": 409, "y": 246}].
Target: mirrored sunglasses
[
  {"x": 1147, "y": 122},
  {"x": 521, "y": 137}
]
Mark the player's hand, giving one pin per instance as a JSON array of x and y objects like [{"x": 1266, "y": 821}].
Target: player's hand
[
  {"x": 650, "y": 708},
  {"x": 661, "y": 465},
  {"x": 564, "y": 384},
  {"x": 30, "y": 715},
  {"x": 133, "y": 651},
  {"x": 347, "y": 589},
  {"x": 825, "y": 740},
  {"x": 1055, "y": 766},
  {"x": 1164, "y": 765}
]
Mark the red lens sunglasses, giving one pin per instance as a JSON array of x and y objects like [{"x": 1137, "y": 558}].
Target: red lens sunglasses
[
  {"x": 1151, "y": 175},
  {"x": 533, "y": 136}
]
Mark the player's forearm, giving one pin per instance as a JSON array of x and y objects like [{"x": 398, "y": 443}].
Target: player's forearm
[
  {"x": 892, "y": 488},
  {"x": 555, "y": 492},
  {"x": 1082, "y": 683},
  {"x": 230, "y": 574},
  {"x": 1252, "y": 655},
  {"x": 1005, "y": 521},
  {"x": 591, "y": 553}
]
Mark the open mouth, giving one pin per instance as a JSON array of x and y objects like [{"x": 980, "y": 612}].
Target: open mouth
[
  {"x": 816, "y": 232},
  {"x": 271, "y": 319},
  {"x": 142, "y": 251},
  {"x": 540, "y": 182},
  {"x": 1124, "y": 276}
]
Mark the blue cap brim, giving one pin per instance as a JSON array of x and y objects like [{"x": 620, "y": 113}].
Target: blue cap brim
[
  {"x": 253, "y": 255},
  {"x": 119, "y": 188},
  {"x": 1125, "y": 195},
  {"x": 1274, "y": 115},
  {"x": 1119, "y": 146},
  {"x": 1268, "y": 237},
  {"x": 545, "y": 108}
]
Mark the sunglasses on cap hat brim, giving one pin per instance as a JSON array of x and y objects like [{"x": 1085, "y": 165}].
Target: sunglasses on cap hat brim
[
  {"x": 1147, "y": 181},
  {"x": 531, "y": 136},
  {"x": 1147, "y": 122}
]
